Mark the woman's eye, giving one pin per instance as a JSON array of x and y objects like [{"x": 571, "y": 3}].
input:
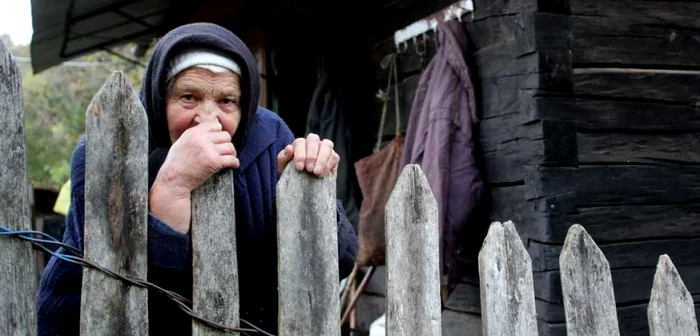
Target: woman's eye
[
  {"x": 187, "y": 97},
  {"x": 227, "y": 101}
]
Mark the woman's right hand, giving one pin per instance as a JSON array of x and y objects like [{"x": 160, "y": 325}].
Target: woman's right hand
[{"x": 198, "y": 154}]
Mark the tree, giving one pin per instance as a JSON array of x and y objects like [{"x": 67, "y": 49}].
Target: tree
[
  {"x": 56, "y": 101},
  {"x": 6, "y": 40}
]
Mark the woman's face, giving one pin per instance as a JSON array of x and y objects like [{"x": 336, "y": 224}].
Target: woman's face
[{"x": 200, "y": 95}]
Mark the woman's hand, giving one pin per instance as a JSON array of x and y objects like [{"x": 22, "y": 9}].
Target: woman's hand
[
  {"x": 198, "y": 154},
  {"x": 310, "y": 154}
]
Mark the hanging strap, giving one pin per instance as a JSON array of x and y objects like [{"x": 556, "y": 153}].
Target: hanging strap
[
  {"x": 396, "y": 98},
  {"x": 393, "y": 72}
]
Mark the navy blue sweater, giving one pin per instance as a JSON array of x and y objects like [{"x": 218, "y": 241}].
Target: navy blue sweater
[{"x": 260, "y": 137}]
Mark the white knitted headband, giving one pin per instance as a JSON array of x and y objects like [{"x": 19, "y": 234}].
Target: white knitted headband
[{"x": 204, "y": 58}]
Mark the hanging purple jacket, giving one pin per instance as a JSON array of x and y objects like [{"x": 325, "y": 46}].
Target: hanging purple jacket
[{"x": 439, "y": 137}]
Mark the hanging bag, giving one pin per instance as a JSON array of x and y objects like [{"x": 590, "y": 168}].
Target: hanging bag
[{"x": 376, "y": 176}]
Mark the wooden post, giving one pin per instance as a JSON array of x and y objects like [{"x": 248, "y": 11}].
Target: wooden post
[
  {"x": 17, "y": 265},
  {"x": 671, "y": 310},
  {"x": 507, "y": 292},
  {"x": 116, "y": 210},
  {"x": 214, "y": 256},
  {"x": 307, "y": 238},
  {"x": 413, "y": 260},
  {"x": 589, "y": 300}
]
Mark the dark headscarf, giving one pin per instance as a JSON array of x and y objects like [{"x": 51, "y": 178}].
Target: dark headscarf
[{"x": 200, "y": 35}]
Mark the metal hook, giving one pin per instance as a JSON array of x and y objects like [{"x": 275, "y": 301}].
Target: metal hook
[
  {"x": 421, "y": 51},
  {"x": 386, "y": 60},
  {"x": 402, "y": 47}
]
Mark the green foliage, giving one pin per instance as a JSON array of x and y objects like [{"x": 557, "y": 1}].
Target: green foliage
[{"x": 55, "y": 101}]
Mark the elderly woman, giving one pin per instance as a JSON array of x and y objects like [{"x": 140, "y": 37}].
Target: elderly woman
[{"x": 200, "y": 92}]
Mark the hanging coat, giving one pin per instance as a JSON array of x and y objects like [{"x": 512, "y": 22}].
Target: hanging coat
[
  {"x": 439, "y": 137},
  {"x": 328, "y": 118}
]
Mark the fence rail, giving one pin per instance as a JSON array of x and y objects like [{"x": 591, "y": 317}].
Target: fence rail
[{"x": 116, "y": 238}]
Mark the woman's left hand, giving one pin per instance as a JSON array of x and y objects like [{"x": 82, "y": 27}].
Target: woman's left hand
[{"x": 310, "y": 154}]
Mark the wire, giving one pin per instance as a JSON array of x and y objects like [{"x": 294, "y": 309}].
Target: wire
[
  {"x": 75, "y": 64},
  {"x": 75, "y": 256}
]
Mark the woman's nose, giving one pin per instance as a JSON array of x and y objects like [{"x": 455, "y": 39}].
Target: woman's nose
[{"x": 207, "y": 112}]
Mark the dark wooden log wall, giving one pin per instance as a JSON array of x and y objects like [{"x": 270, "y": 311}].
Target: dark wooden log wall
[
  {"x": 590, "y": 114},
  {"x": 629, "y": 173}
]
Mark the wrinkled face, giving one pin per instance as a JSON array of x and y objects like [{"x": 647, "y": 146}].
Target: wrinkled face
[{"x": 200, "y": 95}]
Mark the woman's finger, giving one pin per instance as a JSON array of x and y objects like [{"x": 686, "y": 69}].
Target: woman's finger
[
  {"x": 332, "y": 164},
  {"x": 229, "y": 161},
  {"x": 211, "y": 126},
  {"x": 299, "y": 146},
  {"x": 219, "y": 137},
  {"x": 324, "y": 155},
  {"x": 312, "y": 144},
  {"x": 225, "y": 148},
  {"x": 283, "y": 158}
]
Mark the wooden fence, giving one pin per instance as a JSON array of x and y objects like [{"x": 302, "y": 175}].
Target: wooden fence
[{"x": 116, "y": 237}]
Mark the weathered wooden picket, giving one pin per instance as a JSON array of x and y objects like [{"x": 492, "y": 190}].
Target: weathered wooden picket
[{"x": 116, "y": 238}]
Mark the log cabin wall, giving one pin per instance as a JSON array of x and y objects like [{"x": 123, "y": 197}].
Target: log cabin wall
[
  {"x": 621, "y": 148},
  {"x": 590, "y": 114}
]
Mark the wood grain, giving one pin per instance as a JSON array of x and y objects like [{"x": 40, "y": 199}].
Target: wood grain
[
  {"x": 671, "y": 310},
  {"x": 631, "y": 285},
  {"x": 635, "y": 40},
  {"x": 619, "y": 184},
  {"x": 413, "y": 271},
  {"x": 507, "y": 294},
  {"x": 214, "y": 257},
  {"x": 116, "y": 205},
  {"x": 17, "y": 265},
  {"x": 589, "y": 299},
  {"x": 307, "y": 255},
  {"x": 679, "y": 148},
  {"x": 668, "y": 86},
  {"x": 623, "y": 254},
  {"x": 621, "y": 115}
]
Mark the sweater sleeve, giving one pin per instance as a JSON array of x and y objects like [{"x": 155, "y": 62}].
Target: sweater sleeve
[
  {"x": 347, "y": 239},
  {"x": 58, "y": 299}
]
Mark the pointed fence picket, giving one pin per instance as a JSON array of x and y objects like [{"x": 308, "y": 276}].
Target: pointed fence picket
[
  {"x": 116, "y": 216},
  {"x": 671, "y": 310},
  {"x": 507, "y": 294},
  {"x": 214, "y": 256},
  {"x": 308, "y": 275},
  {"x": 413, "y": 274},
  {"x": 115, "y": 212},
  {"x": 17, "y": 308},
  {"x": 589, "y": 300}
]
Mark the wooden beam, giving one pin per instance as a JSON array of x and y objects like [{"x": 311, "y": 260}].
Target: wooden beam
[
  {"x": 607, "y": 114},
  {"x": 633, "y": 254},
  {"x": 486, "y": 8},
  {"x": 669, "y": 86},
  {"x": 631, "y": 285},
  {"x": 683, "y": 14},
  {"x": 679, "y": 148},
  {"x": 631, "y": 41},
  {"x": 619, "y": 185}
]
